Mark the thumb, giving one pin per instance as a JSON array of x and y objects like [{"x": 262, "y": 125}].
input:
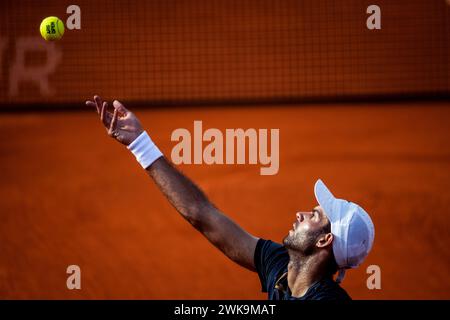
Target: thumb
[{"x": 120, "y": 107}]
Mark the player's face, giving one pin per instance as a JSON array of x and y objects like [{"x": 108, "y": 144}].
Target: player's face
[{"x": 306, "y": 229}]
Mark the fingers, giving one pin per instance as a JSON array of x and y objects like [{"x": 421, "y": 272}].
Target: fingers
[
  {"x": 105, "y": 116},
  {"x": 98, "y": 102},
  {"x": 92, "y": 104},
  {"x": 108, "y": 119},
  {"x": 120, "y": 107},
  {"x": 112, "y": 127}
]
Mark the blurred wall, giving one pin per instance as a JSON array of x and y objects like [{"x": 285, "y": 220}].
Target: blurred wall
[{"x": 224, "y": 50}]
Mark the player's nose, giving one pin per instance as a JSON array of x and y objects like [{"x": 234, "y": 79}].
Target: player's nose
[{"x": 301, "y": 215}]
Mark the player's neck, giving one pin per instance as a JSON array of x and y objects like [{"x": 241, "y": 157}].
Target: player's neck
[{"x": 303, "y": 272}]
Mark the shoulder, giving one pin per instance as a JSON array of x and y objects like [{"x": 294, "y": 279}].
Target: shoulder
[
  {"x": 270, "y": 259},
  {"x": 265, "y": 246},
  {"x": 269, "y": 252}
]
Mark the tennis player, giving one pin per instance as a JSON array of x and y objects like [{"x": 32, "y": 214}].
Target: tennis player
[{"x": 334, "y": 236}]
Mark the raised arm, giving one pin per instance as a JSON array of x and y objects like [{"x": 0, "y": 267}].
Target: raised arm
[
  {"x": 194, "y": 206},
  {"x": 182, "y": 193}
]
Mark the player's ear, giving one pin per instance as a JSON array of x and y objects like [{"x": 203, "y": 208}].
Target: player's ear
[{"x": 325, "y": 240}]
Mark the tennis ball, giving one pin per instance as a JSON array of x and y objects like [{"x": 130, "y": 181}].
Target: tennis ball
[{"x": 52, "y": 28}]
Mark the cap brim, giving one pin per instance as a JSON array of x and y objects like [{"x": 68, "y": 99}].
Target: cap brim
[{"x": 325, "y": 199}]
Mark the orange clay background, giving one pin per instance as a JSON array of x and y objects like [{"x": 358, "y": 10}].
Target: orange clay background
[{"x": 72, "y": 195}]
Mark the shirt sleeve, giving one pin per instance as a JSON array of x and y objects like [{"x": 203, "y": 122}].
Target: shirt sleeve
[{"x": 270, "y": 258}]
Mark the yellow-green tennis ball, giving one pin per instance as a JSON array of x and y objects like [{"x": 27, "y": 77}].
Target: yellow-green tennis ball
[{"x": 52, "y": 28}]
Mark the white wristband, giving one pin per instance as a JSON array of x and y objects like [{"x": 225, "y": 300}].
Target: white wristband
[{"x": 145, "y": 151}]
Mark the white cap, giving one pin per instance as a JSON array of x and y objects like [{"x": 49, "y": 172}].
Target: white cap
[{"x": 351, "y": 226}]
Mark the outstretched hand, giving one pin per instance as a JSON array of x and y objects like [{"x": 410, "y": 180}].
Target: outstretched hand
[{"x": 121, "y": 125}]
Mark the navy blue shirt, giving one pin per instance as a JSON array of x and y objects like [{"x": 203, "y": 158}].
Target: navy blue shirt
[{"x": 271, "y": 261}]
